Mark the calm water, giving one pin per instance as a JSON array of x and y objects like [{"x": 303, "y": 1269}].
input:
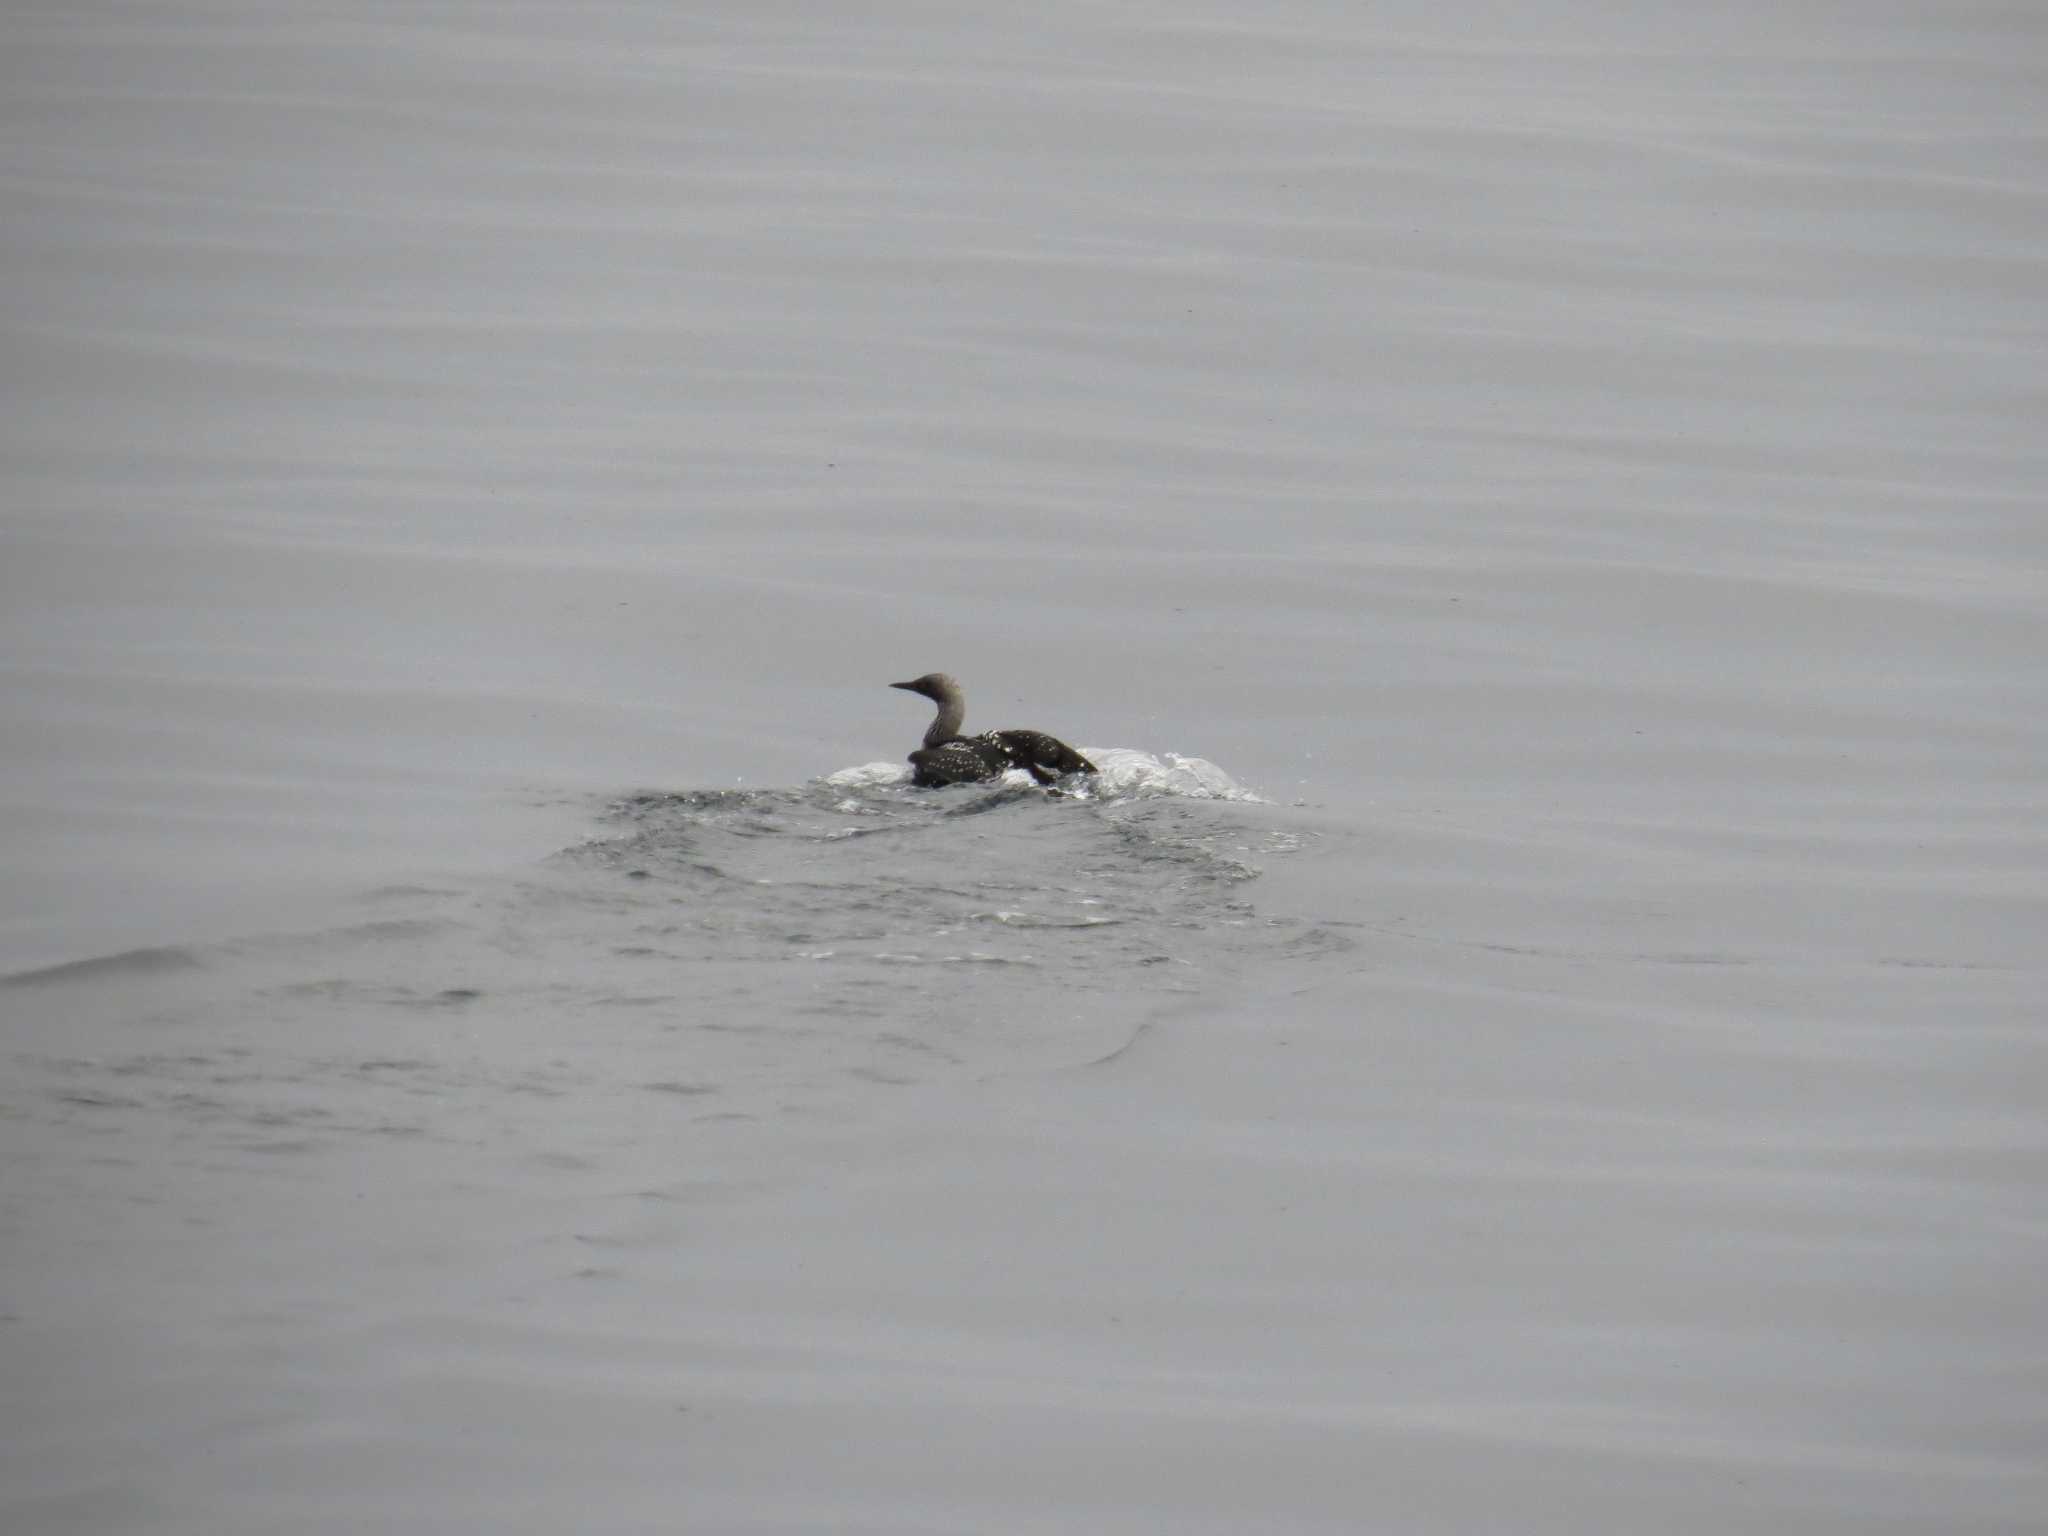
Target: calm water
[{"x": 1539, "y": 1026}]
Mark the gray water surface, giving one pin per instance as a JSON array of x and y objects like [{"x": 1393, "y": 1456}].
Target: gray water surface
[{"x": 483, "y": 1045}]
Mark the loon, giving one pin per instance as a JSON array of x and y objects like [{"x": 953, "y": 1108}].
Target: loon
[{"x": 947, "y": 757}]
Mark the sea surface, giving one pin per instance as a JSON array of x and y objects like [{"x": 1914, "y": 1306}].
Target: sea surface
[{"x": 1538, "y": 513}]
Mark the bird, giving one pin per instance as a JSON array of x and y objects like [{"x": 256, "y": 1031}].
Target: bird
[{"x": 947, "y": 757}]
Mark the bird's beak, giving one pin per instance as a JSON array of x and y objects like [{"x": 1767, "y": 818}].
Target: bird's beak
[{"x": 911, "y": 686}]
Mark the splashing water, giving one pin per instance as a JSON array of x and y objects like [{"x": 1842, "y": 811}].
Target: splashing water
[{"x": 1122, "y": 772}]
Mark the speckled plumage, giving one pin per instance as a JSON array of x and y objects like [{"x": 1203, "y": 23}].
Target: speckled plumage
[
  {"x": 947, "y": 757},
  {"x": 963, "y": 760}
]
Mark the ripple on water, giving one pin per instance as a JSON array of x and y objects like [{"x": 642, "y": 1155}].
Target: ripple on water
[
  {"x": 861, "y": 869},
  {"x": 753, "y": 949},
  {"x": 127, "y": 964}
]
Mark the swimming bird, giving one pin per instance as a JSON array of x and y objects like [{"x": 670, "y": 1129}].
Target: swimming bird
[{"x": 947, "y": 757}]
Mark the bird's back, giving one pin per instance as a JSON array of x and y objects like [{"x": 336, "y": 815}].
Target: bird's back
[
  {"x": 1044, "y": 757},
  {"x": 963, "y": 760}
]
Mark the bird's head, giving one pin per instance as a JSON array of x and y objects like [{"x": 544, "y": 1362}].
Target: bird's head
[{"x": 936, "y": 686}]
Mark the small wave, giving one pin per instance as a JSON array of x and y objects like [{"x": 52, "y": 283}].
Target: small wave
[
  {"x": 1034, "y": 920},
  {"x": 129, "y": 962}
]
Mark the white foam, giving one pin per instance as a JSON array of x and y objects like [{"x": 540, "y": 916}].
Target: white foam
[
  {"x": 869, "y": 776},
  {"x": 1128, "y": 771},
  {"x": 1120, "y": 771}
]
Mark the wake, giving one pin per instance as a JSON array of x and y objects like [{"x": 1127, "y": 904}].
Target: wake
[{"x": 1122, "y": 773}]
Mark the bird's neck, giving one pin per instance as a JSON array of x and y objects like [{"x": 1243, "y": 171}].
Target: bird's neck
[{"x": 946, "y": 724}]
